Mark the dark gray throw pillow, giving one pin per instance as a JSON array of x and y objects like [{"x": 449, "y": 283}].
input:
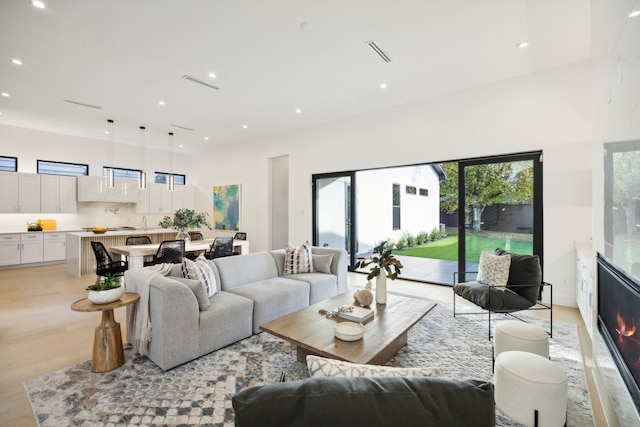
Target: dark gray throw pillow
[{"x": 524, "y": 270}]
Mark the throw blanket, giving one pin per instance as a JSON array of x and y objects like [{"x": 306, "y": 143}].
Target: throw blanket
[{"x": 139, "y": 323}]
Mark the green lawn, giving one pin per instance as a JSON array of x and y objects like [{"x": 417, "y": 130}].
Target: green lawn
[{"x": 447, "y": 248}]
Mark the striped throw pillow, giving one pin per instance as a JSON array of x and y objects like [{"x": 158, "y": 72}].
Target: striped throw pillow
[{"x": 297, "y": 260}]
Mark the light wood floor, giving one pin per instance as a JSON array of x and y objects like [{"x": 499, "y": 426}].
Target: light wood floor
[{"x": 40, "y": 334}]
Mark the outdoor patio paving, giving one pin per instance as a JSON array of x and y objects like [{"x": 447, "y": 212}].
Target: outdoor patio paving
[{"x": 430, "y": 270}]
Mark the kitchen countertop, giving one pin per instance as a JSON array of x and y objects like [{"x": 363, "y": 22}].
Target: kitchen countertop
[{"x": 123, "y": 232}]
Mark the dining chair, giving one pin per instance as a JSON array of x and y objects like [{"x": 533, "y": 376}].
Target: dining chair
[
  {"x": 221, "y": 247},
  {"x": 105, "y": 264},
  {"x": 239, "y": 236},
  {"x": 140, "y": 240},
  {"x": 196, "y": 235},
  {"x": 169, "y": 251}
]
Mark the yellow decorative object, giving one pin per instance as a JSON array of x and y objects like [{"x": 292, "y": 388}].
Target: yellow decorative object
[
  {"x": 99, "y": 230},
  {"x": 47, "y": 224}
]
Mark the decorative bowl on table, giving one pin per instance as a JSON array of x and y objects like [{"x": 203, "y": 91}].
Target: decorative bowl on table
[
  {"x": 99, "y": 230},
  {"x": 349, "y": 331},
  {"x": 105, "y": 297}
]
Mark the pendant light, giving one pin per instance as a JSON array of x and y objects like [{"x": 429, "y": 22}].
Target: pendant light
[
  {"x": 110, "y": 179},
  {"x": 142, "y": 178},
  {"x": 170, "y": 183}
]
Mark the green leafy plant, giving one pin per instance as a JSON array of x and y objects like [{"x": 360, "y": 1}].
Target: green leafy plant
[
  {"x": 184, "y": 219},
  {"x": 382, "y": 259},
  {"x": 109, "y": 281}
]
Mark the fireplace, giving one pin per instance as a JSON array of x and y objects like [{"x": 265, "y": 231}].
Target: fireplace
[{"x": 619, "y": 322}]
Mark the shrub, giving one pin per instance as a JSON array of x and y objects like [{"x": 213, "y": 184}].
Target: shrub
[
  {"x": 409, "y": 238},
  {"x": 422, "y": 238},
  {"x": 401, "y": 243}
]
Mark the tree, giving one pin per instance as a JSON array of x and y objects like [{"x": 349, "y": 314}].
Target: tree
[{"x": 487, "y": 185}]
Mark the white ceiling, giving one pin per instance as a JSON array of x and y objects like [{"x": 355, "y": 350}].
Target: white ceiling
[{"x": 270, "y": 58}]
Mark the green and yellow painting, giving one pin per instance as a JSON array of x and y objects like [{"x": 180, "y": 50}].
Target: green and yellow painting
[{"x": 226, "y": 207}]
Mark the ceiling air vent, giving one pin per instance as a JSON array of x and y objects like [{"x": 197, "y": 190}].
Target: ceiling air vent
[
  {"x": 83, "y": 104},
  {"x": 181, "y": 127},
  {"x": 378, "y": 50},
  {"x": 193, "y": 79}
]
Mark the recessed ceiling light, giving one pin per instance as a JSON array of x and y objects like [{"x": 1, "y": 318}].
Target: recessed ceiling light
[
  {"x": 383, "y": 85},
  {"x": 206, "y": 138},
  {"x": 161, "y": 103},
  {"x": 38, "y": 4},
  {"x": 107, "y": 132},
  {"x": 180, "y": 145},
  {"x": 523, "y": 44},
  {"x": 5, "y": 94},
  {"x": 634, "y": 14},
  {"x": 212, "y": 75},
  {"x": 245, "y": 127},
  {"x": 16, "y": 61},
  {"x": 298, "y": 111}
]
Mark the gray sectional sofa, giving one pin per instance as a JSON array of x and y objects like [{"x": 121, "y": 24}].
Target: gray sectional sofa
[{"x": 251, "y": 290}]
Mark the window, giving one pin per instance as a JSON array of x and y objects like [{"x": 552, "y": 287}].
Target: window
[
  {"x": 424, "y": 192},
  {"x": 410, "y": 189},
  {"x": 8, "y": 164},
  {"x": 162, "y": 177},
  {"x": 48, "y": 167},
  {"x": 396, "y": 206},
  {"x": 122, "y": 173}
]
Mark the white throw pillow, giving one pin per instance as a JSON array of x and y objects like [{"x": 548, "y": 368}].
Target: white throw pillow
[
  {"x": 494, "y": 270},
  {"x": 297, "y": 260},
  {"x": 323, "y": 367},
  {"x": 198, "y": 270}
]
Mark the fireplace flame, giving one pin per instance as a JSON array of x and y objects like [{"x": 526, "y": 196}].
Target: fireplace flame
[{"x": 622, "y": 328}]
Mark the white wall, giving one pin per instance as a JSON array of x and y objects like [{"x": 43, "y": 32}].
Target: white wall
[
  {"x": 31, "y": 145},
  {"x": 616, "y": 118},
  {"x": 548, "y": 111}
]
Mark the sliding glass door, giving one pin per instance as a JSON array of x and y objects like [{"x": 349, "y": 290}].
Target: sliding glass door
[{"x": 502, "y": 207}]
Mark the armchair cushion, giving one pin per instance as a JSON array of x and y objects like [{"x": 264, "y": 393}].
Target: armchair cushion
[
  {"x": 489, "y": 298},
  {"x": 322, "y": 263},
  {"x": 524, "y": 270}
]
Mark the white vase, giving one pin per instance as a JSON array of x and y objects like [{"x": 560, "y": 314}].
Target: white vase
[
  {"x": 183, "y": 235},
  {"x": 381, "y": 287},
  {"x": 105, "y": 297}
]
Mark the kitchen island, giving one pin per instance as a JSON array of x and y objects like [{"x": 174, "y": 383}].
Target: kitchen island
[{"x": 80, "y": 257}]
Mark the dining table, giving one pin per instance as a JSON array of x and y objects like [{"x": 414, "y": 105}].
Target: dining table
[{"x": 136, "y": 253}]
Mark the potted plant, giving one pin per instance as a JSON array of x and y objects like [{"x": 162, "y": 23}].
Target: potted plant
[
  {"x": 184, "y": 219},
  {"x": 384, "y": 265},
  {"x": 106, "y": 290}
]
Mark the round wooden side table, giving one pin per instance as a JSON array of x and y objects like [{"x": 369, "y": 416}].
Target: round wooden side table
[{"x": 108, "y": 352}]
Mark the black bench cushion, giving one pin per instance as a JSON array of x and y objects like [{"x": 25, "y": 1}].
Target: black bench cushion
[{"x": 367, "y": 401}]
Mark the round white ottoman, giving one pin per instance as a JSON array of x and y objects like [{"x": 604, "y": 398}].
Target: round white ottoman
[
  {"x": 525, "y": 383},
  {"x": 512, "y": 335}
]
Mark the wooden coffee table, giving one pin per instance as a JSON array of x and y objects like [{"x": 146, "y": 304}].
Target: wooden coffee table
[{"x": 384, "y": 335}]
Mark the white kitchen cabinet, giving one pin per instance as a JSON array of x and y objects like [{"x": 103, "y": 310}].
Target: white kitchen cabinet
[
  {"x": 55, "y": 246},
  {"x": 157, "y": 199},
  {"x": 31, "y": 249},
  {"x": 183, "y": 197},
  {"x": 9, "y": 249},
  {"x": 584, "y": 284},
  {"x": 58, "y": 194},
  {"x": 19, "y": 192},
  {"x": 93, "y": 189}
]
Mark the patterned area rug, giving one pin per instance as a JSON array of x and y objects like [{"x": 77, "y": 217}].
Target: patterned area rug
[{"x": 199, "y": 392}]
